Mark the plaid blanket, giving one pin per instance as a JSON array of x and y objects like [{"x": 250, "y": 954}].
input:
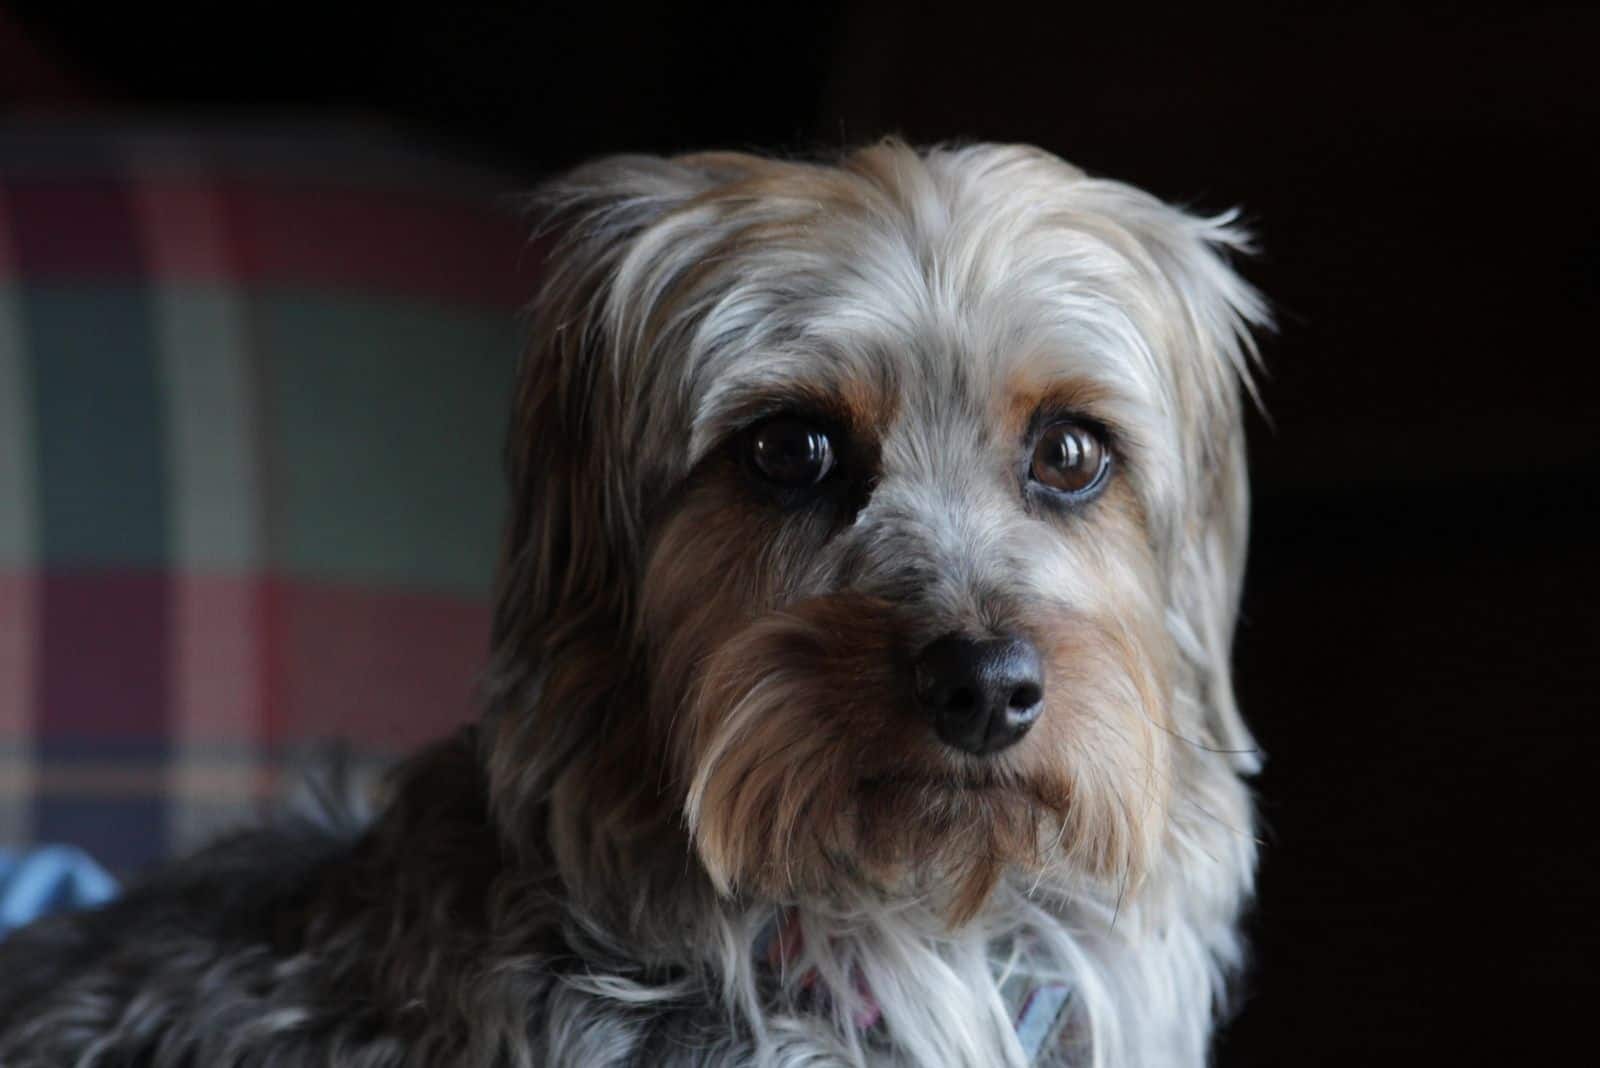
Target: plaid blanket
[{"x": 252, "y": 388}]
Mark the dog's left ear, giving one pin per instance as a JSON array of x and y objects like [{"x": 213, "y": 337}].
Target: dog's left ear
[
  {"x": 1210, "y": 566},
  {"x": 1209, "y": 322}
]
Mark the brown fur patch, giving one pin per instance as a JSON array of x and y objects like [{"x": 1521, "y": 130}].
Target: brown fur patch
[
  {"x": 1026, "y": 395},
  {"x": 809, "y": 772}
]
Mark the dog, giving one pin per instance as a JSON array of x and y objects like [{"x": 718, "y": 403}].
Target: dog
[{"x": 860, "y": 684}]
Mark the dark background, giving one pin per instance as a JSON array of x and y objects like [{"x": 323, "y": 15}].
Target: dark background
[{"x": 1418, "y": 650}]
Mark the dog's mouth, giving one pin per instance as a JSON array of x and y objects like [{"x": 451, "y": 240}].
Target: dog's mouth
[
  {"x": 911, "y": 787},
  {"x": 989, "y": 788},
  {"x": 957, "y": 829},
  {"x": 934, "y": 783}
]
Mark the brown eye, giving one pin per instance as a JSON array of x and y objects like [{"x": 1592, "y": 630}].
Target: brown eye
[
  {"x": 791, "y": 452},
  {"x": 1069, "y": 458}
]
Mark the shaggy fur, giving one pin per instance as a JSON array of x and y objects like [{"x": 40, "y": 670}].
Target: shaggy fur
[{"x": 698, "y": 720}]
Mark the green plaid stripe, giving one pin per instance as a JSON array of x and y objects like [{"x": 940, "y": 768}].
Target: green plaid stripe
[{"x": 251, "y": 396}]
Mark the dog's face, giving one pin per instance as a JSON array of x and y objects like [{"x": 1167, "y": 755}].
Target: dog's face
[{"x": 906, "y": 500}]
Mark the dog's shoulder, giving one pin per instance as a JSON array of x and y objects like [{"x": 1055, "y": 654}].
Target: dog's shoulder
[
  {"x": 309, "y": 922},
  {"x": 230, "y": 897}
]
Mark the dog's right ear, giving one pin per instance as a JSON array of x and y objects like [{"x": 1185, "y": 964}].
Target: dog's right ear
[
  {"x": 569, "y": 543},
  {"x": 569, "y": 554}
]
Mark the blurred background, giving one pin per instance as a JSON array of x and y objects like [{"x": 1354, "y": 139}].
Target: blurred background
[{"x": 258, "y": 294}]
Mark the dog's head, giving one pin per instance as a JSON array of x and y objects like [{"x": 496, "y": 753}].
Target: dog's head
[{"x": 880, "y": 523}]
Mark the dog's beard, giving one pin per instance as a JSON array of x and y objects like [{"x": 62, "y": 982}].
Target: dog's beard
[{"x": 809, "y": 777}]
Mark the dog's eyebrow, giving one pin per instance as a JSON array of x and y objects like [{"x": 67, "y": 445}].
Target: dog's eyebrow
[
  {"x": 1025, "y": 398},
  {"x": 737, "y": 402}
]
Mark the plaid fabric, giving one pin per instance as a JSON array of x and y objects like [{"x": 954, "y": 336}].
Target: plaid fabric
[{"x": 251, "y": 396}]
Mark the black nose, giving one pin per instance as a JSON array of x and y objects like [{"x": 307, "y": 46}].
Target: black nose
[{"x": 981, "y": 695}]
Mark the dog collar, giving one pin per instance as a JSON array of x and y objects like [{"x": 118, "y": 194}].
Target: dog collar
[{"x": 1038, "y": 1010}]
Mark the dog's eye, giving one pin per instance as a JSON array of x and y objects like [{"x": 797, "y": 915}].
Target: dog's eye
[
  {"x": 1069, "y": 458},
  {"x": 791, "y": 452}
]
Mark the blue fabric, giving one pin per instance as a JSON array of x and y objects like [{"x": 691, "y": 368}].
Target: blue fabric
[
  {"x": 1039, "y": 1022},
  {"x": 49, "y": 879}
]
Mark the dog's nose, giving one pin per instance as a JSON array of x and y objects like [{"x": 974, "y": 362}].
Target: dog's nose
[{"x": 981, "y": 695}]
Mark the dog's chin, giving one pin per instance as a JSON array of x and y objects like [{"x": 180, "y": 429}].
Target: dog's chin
[
  {"x": 949, "y": 839},
  {"x": 942, "y": 841}
]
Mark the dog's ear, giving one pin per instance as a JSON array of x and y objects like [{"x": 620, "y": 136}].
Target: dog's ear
[
  {"x": 1209, "y": 565},
  {"x": 1211, "y": 314},
  {"x": 567, "y": 555}
]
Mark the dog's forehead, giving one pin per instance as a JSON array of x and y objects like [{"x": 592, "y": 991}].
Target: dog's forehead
[{"x": 904, "y": 328}]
